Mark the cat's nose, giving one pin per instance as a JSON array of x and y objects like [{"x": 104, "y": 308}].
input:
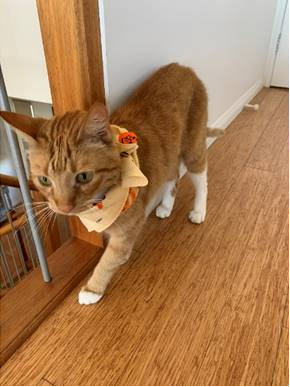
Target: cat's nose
[{"x": 66, "y": 207}]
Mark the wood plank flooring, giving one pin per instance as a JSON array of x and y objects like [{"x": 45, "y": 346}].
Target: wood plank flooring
[
  {"x": 196, "y": 305},
  {"x": 25, "y": 306}
]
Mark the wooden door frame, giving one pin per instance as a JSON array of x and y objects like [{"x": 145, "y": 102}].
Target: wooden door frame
[{"x": 71, "y": 36}]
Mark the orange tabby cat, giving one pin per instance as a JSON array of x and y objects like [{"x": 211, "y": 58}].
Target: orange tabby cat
[{"x": 74, "y": 159}]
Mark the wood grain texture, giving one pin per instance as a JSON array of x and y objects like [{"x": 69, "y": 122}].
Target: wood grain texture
[
  {"x": 44, "y": 382},
  {"x": 281, "y": 374},
  {"x": 24, "y": 307},
  {"x": 79, "y": 231},
  {"x": 71, "y": 40},
  {"x": 286, "y": 314},
  {"x": 72, "y": 46},
  {"x": 12, "y": 181},
  {"x": 273, "y": 140},
  {"x": 201, "y": 305}
]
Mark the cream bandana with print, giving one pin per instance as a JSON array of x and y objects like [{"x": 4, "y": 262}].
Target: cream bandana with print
[{"x": 119, "y": 198}]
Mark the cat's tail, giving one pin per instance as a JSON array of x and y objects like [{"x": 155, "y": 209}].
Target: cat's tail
[{"x": 215, "y": 132}]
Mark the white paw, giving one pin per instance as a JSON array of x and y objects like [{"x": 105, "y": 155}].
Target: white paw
[
  {"x": 86, "y": 297},
  {"x": 196, "y": 216},
  {"x": 163, "y": 212}
]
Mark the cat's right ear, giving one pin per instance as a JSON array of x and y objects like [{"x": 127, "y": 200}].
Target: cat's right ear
[
  {"x": 26, "y": 126},
  {"x": 97, "y": 124}
]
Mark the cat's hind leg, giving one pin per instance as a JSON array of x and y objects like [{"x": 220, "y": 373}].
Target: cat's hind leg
[
  {"x": 195, "y": 151},
  {"x": 199, "y": 180},
  {"x": 196, "y": 163},
  {"x": 169, "y": 193},
  {"x": 165, "y": 207}
]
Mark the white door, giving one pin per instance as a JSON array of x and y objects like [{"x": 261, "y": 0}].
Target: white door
[{"x": 280, "y": 77}]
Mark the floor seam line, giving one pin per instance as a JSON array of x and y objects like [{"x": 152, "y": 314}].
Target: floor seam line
[
  {"x": 266, "y": 126},
  {"x": 46, "y": 380}
]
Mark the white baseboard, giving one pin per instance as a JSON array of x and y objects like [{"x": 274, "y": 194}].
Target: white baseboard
[{"x": 229, "y": 115}]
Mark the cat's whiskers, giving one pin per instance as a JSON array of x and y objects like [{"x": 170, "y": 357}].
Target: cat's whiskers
[
  {"x": 30, "y": 205},
  {"x": 51, "y": 216},
  {"x": 43, "y": 218},
  {"x": 42, "y": 215},
  {"x": 33, "y": 209},
  {"x": 54, "y": 219},
  {"x": 44, "y": 223},
  {"x": 36, "y": 212},
  {"x": 40, "y": 222}
]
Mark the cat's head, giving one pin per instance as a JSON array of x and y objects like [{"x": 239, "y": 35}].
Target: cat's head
[{"x": 73, "y": 158}]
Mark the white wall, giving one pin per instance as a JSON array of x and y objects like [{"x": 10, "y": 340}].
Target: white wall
[
  {"x": 225, "y": 41},
  {"x": 21, "y": 51}
]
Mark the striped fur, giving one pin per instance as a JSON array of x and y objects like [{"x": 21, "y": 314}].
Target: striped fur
[{"x": 168, "y": 112}]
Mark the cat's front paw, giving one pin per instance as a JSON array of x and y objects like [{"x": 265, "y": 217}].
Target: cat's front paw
[
  {"x": 86, "y": 297},
  {"x": 163, "y": 212},
  {"x": 197, "y": 217}
]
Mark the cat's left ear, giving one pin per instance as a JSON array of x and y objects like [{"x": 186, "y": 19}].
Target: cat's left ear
[
  {"x": 28, "y": 127},
  {"x": 97, "y": 124}
]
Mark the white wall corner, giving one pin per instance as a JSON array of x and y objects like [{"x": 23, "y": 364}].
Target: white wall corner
[
  {"x": 276, "y": 29},
  {"x": 230, "y": 114},
  {"x": 104, "y": 51}
]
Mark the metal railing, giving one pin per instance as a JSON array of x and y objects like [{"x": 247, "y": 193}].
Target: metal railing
[
  {"x": 25, "y": 191},
  {"x": 18, "y": 255},
  {"x": 17, "y": 251}
]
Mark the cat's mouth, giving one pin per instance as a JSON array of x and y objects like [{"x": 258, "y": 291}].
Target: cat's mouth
[
  {"x": 74, "y": 211},
  {"x": 70, "y": 210},
  {"x": 57, "y": 210}
]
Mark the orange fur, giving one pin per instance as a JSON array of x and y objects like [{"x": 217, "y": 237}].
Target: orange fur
[{"x": 168, "y": 113}]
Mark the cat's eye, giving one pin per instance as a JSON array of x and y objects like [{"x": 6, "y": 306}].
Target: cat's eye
[
  {"x": 84, "y": 177},
  {"x": 44, "y": 180}
]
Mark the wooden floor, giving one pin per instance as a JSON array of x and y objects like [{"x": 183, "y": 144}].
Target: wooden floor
[
  {"x": 27, "y": 305},
  {"x": 196, "y": 305}
]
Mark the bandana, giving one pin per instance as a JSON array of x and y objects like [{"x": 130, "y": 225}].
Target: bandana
[{"x": 119, "y": 198}]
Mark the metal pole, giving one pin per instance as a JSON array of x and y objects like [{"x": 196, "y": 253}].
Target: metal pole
[
  {"x": 20, "y": 171},
  {"x": 12, "y": 255}
]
